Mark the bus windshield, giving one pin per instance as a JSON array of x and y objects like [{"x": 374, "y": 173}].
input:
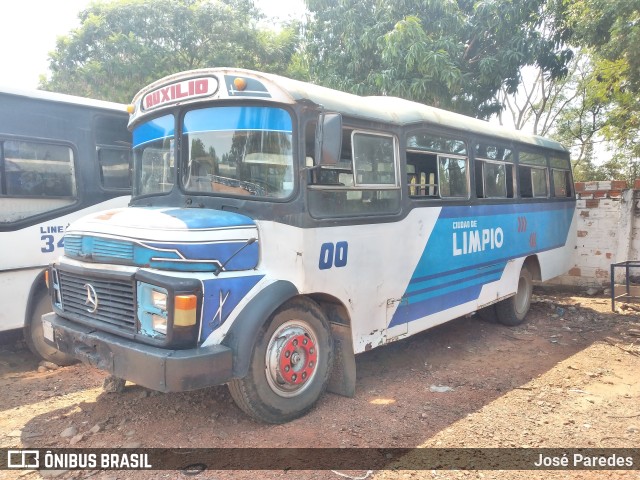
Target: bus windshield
[
  {"x": 153, "y": 155},
  {"x": 243, "y": 151}
]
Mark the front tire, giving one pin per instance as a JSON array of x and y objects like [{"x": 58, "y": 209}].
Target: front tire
[
  {"x": 34, "y": 334},
  {"x": 513, "y": 310},
  {"x": 290, "y": 364}
]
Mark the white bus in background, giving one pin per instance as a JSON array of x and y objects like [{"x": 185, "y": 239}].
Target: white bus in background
[{"x": 61, "y": 157}]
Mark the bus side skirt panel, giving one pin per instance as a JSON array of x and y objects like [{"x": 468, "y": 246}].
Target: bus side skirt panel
[{"x": 242, "y": 334}]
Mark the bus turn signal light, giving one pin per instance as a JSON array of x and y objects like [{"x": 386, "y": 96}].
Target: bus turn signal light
[{"x": 185, "y": 310}]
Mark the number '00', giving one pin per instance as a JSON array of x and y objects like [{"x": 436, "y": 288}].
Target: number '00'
[{"x": 333, "y": 255}]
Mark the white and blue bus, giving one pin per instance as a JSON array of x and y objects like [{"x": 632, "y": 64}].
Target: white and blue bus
[
  {"x": 277, "y": 228},
  {"x": 61, "y": 157}
]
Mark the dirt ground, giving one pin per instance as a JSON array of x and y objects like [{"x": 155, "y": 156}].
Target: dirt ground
[{"x": 568, "y": 377}]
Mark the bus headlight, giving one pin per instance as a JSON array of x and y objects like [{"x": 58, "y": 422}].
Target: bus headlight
[
  {"x": 164, "y": 314},
  {"x": 159, "y": 324},
  {"x": 152, "y": 309},
  {"x": 159, "y": 299}
]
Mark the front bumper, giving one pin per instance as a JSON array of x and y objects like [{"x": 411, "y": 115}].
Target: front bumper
[{"x": 152, "y": 367}]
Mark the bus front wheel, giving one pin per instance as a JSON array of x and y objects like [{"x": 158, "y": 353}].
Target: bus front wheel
[
  {"x": 513, "y": 310},
  {"x": 34, "y": 335},
  {"x": 290, "y": 364}
]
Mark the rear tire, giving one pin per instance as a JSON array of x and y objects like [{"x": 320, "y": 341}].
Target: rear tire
[
  {"x": 513, "y": 310},
  {"x": 487, "y": 314},
  {"x": 290, "y": 365},
  {"x": 34, "y": 335}
]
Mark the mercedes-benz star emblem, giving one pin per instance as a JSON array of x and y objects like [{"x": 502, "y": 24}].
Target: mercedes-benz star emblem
[{"x": 92, "y": 298}]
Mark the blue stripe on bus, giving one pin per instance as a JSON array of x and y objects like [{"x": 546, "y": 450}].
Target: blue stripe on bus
[
  {"x": 237, "y": 118},
  {"x": 156, "y": 129},
  {"x": 447, "y": 294},
  {"x": 413, "y": 311},
  {"x": 247, "y": 259},
  {"x": 511, "y": 208},
  {"x": 451, "y": 280},
  {"x": 450, "y": 272}
]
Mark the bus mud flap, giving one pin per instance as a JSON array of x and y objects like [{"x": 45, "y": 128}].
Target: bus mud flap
[{"x": 343, "y": 374}]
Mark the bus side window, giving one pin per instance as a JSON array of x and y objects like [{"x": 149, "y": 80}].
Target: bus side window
[
  {"x": 40, "y": 175},
  {"x": 533, "y": 182},
  {"x": 526, "y": 190},
  {"x": 115, "y": 167},
  {"x": 422, "y": 176},
  {"x": 479, "y": 164},
  {"x": 562, "y": 183}
]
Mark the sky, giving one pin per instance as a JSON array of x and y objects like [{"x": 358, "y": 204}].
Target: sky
[{"x": 30, "y": 28}]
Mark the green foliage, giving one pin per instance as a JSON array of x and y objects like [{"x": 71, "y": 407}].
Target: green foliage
[
  {"x": 123, "y": 45},
  {"x": 610, "y": 29},
  {"x": 452, "y": 54}
]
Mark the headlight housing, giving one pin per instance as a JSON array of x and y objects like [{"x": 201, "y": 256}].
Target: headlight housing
[
  {"x": 152, "y": 309},
  {"x": 167, "y": 315}
]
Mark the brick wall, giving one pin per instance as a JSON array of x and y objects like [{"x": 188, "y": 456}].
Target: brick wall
[{"x": 607, "y": 231}]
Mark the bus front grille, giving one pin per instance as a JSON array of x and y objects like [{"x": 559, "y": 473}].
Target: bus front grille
[
  {"x": 107, "y": 304},
  {"x": 99, "y": 249}
]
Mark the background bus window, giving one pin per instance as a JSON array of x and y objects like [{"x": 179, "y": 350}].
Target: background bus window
[
  {"x": 40, "y": 175},
  {"x": 115, "y": 168}
]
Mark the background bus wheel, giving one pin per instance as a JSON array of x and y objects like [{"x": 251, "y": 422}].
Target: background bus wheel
[
  {"x": 290, "y": 365},
  {"x": 513, "y": 310},
  {"x": 34, "y": 335}
]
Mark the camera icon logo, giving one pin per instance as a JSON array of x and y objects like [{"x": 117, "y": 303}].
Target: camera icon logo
[{"x": 23, "y": 459}]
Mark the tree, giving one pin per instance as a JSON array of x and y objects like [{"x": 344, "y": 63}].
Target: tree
[
  {"x": 456, "y": 55},
  {"x": 125, "y": 44},
  {"x": 610, "y": 30}
]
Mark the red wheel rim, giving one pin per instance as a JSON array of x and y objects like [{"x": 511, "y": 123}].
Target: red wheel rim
[{"x": 298, "y": 358}]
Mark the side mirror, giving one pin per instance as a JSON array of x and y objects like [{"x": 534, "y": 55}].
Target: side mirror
[{"x": 329, "y": 138}]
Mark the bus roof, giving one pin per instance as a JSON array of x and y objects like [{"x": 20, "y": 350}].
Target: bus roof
[
  {"x": 383, "y": 109},
  {"x": 62, "y": 98},
  {"x": 403, "y": 112}
]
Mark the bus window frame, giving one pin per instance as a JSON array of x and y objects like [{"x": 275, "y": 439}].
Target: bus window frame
[
  {"x": 348, "y": 129},
  {"x": 545, "y": 170},
  {"x": 136, "y": 178},
  {"x": 441, "y": 134},
  {"x": 76, "y": 197},
  {"x": 570, "y": 193},
  {"x": 441, "y": 156},
  {"x": 182, "y": 149},
  {"x": 484, "y": 178},
  {"x": 396, "y": 161},
  {"x": 533, "y": 166},
  {"x": 129, "y": 151}
]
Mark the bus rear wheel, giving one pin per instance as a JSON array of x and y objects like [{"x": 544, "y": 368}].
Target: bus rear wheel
[
  {"x": 290, "y": 365},
  {"x": 34, "y": 335},
  {"x": 513, "y": 310}
]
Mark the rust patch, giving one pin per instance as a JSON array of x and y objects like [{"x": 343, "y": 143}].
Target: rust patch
[{"x": 106, "y": 215}]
